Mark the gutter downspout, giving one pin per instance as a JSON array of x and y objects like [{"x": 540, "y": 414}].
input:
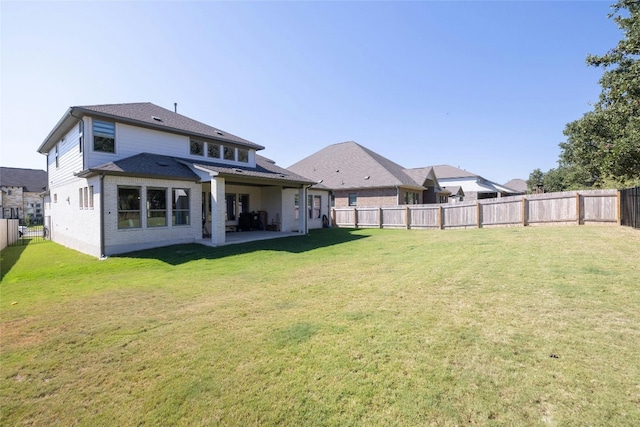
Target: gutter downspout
[{"x": 102, "y": 255}]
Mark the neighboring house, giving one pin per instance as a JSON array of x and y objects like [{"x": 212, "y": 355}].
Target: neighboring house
[
  {"x": 518, "y": 185},
  {"x": 21, "y": 194},
  {"x": 124, "y": 177},
  {"x": 473, "y": 186},
  {"x": 357, "y": 176}
]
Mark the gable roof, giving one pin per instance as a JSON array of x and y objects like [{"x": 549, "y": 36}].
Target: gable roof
[
  {"x": 31, "y": 180},
  {"x": 143, "y": 114},
  {"x": 455, "y": 190},
  {"x": 159, "y": 166},
  {"x": 421, "y": 175},
  {"x": 349, "y": 165}
]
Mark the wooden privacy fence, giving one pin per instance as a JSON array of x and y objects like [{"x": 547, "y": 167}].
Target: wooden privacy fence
[
  {"x": 571, "y": 207},
  {"x": 630, "y": 207},
  {"x": 8, "y": 232}
]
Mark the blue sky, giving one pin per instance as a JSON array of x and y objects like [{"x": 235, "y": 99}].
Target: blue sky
[{"x": 485, "y": 86}]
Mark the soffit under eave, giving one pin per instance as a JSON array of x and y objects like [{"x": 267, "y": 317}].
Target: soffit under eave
[
  {"x": 64, "y": 125},
  {"x": 89, "y": 173},
  {"x": 267, "y": 182}
]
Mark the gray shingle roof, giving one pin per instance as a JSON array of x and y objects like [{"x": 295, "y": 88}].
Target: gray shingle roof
[
  {"x": 419, "y": 175},
  {"x": 146, "y": 165},
  {"x": 158, "y": 117},
  {"x": 167, "y": 167},
  {"x": 349, "y": 165},
  {"x": 448, "y": 171},
  {"x": 517, "y": 184},
  {"x": 264, "y": 169},
  {"x": 32, "y": 180}
]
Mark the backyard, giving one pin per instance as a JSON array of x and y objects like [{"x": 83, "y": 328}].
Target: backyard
[{"x": 509, "y": 326}]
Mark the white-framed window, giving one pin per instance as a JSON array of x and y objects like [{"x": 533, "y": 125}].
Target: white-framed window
[
  {"x": 243, "y": 155},
  {"x": 213, "y": 150},
  {"x": 353, "y": 199},
  {"x": 181, "y": 205},
  {"x": 229, "y": 153},
  {"x": 80, "y": 134},
  {"x": 104, "y": 136},
  {"x": 156, "y": 207},
  {"x": 85, "y": 197},
  {"x": 196, "y": 148},
  {"x": 313, "y": 206},
  {"x": 128, "y": 207}
]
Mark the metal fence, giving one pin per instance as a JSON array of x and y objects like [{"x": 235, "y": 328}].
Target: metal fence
[
  {"x": 14, "y": 232},
  {"x": 630, "y": 207},
  {"x": 572, "y": 207}
]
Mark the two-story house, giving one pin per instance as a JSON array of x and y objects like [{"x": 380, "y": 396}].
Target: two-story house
[
  {"x": 21, "y": 194},
  {"x": 125, "y": 177}
]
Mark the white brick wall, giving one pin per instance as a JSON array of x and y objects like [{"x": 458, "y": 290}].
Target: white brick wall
[
  {"x": 126, "y": 240},
  {"x": 71, "y": 226}
]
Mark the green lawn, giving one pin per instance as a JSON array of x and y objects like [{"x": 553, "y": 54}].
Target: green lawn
[{"x": 511, "y": 326}]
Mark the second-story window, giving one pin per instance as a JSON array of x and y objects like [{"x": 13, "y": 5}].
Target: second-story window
[
  {"x": 213, "y": 150},
  {"x": 196, "y": 148},
  {"x": 229, "y": 153},
  {"x": 80, "y": 134},
  {"x": 104, "y": 136},
  {"x": 243, "y": 155}
]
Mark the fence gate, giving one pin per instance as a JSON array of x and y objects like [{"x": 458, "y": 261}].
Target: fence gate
[
  {"x": 36, "y": 231},
  {"x": 630, "y": 207}
]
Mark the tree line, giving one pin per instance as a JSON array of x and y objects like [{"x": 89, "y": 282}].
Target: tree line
[{"x": 602, "y": 149}]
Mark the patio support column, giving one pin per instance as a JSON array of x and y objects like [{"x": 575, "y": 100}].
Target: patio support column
[{"x": 218, "y": 227}]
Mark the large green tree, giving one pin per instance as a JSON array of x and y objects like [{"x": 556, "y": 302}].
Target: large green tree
[{"x": 605, "y": 142}]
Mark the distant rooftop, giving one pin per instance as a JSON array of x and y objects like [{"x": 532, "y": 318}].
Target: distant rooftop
[{"x": 32, "y": 180}]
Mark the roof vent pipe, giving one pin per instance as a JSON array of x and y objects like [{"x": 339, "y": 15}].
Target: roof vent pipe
[{"x": 175, "y": 107}]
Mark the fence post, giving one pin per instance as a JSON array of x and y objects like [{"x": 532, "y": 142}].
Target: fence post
[
  {"x": 440, "y": 217},
  {"x": 578, "y": 213},
  {"x": 524, "y": 211},
  {"x": 478, "y": 214},
  {"x": 406, "y": 217},
  {"x": 380, "y": 217},
  {"x": 355, "y": 217},
  {"x": 619, "y": 207}
]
